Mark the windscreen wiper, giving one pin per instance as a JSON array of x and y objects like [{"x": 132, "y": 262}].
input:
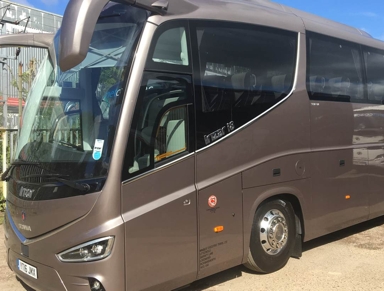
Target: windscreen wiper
[
  {"x": 6, "y": 175},
  {"x": 44, "y": 176},
  {"x": 59, "y": 178},
  {"x": 62, "y": 179}
]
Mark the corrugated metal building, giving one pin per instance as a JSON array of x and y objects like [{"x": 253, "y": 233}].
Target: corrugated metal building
[{"x": 14, "y": 19}]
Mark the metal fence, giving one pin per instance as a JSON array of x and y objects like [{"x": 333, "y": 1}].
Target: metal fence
[{"x": 8, "y": 144}]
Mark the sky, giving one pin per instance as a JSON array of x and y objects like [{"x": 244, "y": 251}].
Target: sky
[
  {"x": 367, "y": 14},
  {"x": 54, "y": 6}
]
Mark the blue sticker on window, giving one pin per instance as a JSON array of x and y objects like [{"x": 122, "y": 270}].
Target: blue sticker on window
[{"x": 98, "y": 149}]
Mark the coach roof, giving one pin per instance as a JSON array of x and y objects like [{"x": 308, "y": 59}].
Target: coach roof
[
  {"x": 262, "y": 12},
  {"x": 259, "y": 12}
]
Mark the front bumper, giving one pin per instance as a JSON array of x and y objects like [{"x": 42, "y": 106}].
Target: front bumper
[
  {"x": 48, "y": 278},
  {"x": 53, "y": 275}
]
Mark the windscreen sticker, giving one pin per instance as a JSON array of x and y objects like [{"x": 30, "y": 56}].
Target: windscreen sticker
[{"x": 98, "y": 149}]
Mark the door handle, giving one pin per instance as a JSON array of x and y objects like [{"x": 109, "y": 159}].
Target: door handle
[{"x": 187, "y": 202}]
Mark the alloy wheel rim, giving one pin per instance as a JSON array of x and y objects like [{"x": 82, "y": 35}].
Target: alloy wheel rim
[{"x": 273, "y": 232}]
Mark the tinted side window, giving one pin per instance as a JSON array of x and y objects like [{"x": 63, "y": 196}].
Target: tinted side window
[
  {"x": 171, "y": 47},
  {"x": 169, "y": 50},
  {"x": 334, "y": 69},
  {"x": 374, "y": 62},
  {"x": 244, "y": 71}
]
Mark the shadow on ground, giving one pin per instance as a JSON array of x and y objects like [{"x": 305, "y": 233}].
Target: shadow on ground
[
  {"x": 342, "y": 234},
  {"x": 26, "y": 287},
  {"x": 216, "y": 279}
]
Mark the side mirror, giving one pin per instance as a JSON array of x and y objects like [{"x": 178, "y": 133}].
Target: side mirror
[{"x": 36, "y": 40}]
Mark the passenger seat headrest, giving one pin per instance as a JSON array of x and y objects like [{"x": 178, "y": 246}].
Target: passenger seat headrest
[
  {"x": 339, "y": 85},
  {"x": 214, "y": 81},
  {"x": 243, "y": 81},
  {"x": 316, "y": 84},
  {"x": 278, "y": 85}
]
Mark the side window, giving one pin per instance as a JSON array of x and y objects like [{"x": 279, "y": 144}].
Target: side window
[
  {"x": 160, "y": 126},
  {"x": 374, "y": 62},
  {"x": 171, "y": 47},
  {"x": 244, "y": 71},
  {"x": 334, "y": 69}
]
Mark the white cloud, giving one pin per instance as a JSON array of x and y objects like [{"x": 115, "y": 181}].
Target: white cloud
[
  {"x": 365, "y": 14},
  {"x": 50, "y": 2},
  {"x": 368, "y": 14},
  {"x": 23, "y": 2}
]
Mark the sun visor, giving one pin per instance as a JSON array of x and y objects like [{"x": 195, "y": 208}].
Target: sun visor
[{"x": 79, "y": 23}]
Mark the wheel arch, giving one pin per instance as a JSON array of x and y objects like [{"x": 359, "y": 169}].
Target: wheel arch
[{"x": 292, "y": 195}]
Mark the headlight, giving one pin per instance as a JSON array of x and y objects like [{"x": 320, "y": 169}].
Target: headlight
[{"x": 91, "y": 251}]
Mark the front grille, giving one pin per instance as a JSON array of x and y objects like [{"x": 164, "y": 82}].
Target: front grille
[{"x": 24, "y": 171}]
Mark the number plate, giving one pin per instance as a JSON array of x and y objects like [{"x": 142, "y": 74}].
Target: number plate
[{"x": 27, "y": 269}]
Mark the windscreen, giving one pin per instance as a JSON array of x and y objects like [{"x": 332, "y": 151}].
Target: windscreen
[{"x": 69, "y": 122}]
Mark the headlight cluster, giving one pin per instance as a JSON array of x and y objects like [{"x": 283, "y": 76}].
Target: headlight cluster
[{"x": 91, "y": 251}]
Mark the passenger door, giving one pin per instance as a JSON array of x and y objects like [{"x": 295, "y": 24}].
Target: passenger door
[{"x": 159, "y": 202}]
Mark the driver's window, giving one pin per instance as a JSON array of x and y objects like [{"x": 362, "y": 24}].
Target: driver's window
[{"x": 161, "y": 123}]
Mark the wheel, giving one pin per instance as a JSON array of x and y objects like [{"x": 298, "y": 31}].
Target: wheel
[{"x": 272, "y": 237}]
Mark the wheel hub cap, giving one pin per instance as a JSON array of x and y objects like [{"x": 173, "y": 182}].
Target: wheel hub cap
[{"x": 273, "y": 232}]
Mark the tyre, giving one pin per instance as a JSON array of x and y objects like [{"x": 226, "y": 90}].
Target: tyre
[{"x": 272, "y": 236}]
